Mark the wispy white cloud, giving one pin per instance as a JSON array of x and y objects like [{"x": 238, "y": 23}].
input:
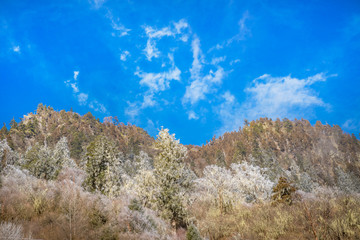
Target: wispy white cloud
[
  {"x": 198, "y": 59},
  {"x": 83, "y": 98},
  {"x": 74, "y": 87},
  {"x": 201, "y": 85},
  {"x": 159, "y": 81},
  {"x": 154, "y": 34},
  {"x": 234, "y": 62},
  {"x": 242, "y": 34},
  {"x": 73, "y": 82},
  {"x": 124, "y": 55},
  {"x": 98, "y": 107},
  {"x": 151, "y": 50},
  {"x": 119, "y": 28},
  {"x": 133, "y": 109},
  {"x": 244, "y": 31},
  {"x": 76, "y": 73},
  {"x": 351, "y": 125},
  {"x": 97, "y": 3},
  {"x": 217, "y": 60},
  {"x": 192, "y": 115},
  {"x": 151, "y": 127},
  {"x": 218, "y": 46},
  {"x": 148, "y": 100},
  {"x": 272, "y": 97},
  {"x": 228, "y": 97},
  {"x": 122, "y": 31},
  {"x": 155, "y": 82},
  {"x": 180, "y": 26},
  {"x": 16, "y": 49}
]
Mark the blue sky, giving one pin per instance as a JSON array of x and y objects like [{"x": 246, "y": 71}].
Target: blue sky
[{"x": 198, "y": 68}]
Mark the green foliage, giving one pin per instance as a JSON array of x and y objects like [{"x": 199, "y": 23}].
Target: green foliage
[
  {"x": 193, "y": 233},
  {"x": 31, "y": 129},
  {"x": 172, "y": 177},
  {"x": 13, "y": 124},
  {"x": 39, "y": 161},
  {"x": 45, "y": 162},
  {"x": 287, "y": 124},
  {"x": 135, "y": 205},
  {"x": 240, "y": 150},
  {"x": 76, "y": 144},
  {"x": 102, "y": 167},
  {"x": 3, "y": 132},
  {"x": 283, "y": 192}
]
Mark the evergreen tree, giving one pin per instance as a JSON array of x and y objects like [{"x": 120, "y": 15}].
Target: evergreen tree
[
  {"x": 193, "y": 233},
  {"x": 172, "y": 177},
  {"x": 62, "y": 154},
  {"x": 43, "y": 165},
  {"x": 7, "y": 155},
  {"x": 3, "y": 131},
  {"x": 45, "y": 162},
  {"x": 13, "y": 124},
  {"x": 102, "y": 167}
]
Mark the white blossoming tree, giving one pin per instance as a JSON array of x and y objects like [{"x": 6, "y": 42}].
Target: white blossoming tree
[
  {"x": 224, "y": 187},
  {"x": 252, "y": 181},
  {"x": 138, "y": 178}
]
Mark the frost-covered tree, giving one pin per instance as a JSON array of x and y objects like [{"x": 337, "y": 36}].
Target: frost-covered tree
[
  {"x": 45, "y": 162},
  {"x": 103, "y": 167},
  {"x": 40, "y": 162},
  {"x": 172, "y": 177},
  {"x": 217, "y": 185},
  {"x": 252, "y": 181},
  {"x": 7, "y": 155},
  {"x": 164, "y": 186},
  {"x": 61, "y": 154},
  {"x": 138, "y": 177},
  {"x": 242, "y": 182},
  {"x": 133, "y": 164},
  {"x": 10, "y": 230}
]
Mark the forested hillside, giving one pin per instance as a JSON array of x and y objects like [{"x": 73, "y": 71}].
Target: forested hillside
[
  {"x": 66, "y": 176},
  {"x": 48, "y": 126},
  {"x": 309, "y": 155}
]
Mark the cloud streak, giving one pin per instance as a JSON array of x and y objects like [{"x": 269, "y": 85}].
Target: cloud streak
[
  {"x": 242, "y": 34},
  {"x": 119, "y": 28},
  {"x": 83, "y": 98},
  {"x": 155, "y": 83},
  {"x": 177, "y": 29},
  {"x": 16, "y": 49},
  {"x": 201, "y": 85}
]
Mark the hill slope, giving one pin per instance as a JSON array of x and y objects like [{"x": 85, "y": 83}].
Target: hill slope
[
  {"x": 308, "y": 155},
  {"x": 47, "y": 125}
]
